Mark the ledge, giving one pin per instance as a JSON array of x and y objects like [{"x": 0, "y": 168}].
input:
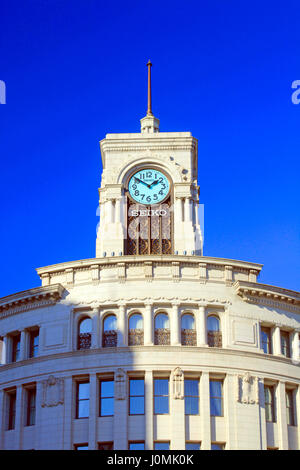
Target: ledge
[
  {"x": 31, "y": 298},
  {"x": 253, "y": 292}
]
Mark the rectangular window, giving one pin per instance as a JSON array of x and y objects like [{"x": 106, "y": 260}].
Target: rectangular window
[
  {"x": 12, "y": 397},
  {"x": 33, "y": 343},
  {"x": 161, "y": 396},
  {"x": 192, "y": 446},
  {"x": 136, "y": 397},
  {"x": 285, "y": 343},
  {"x": 105, "y": 446},
  {"x": 162, "y": 445},
  {"x": 82, "y": 400},
  {"x": 107, "y": 398},
  {"x": 269, "y": 403},
  {"x": 217, "y": 446},
  {"x": 16, "y": 345},
  {"x": 81, "y": 446},
  {"x": 266, "y": 340},
  {"x": 136, "y": 445},
  {"x": 216, "y": 397},
  {"x": 31, "y": 406},
  {"x": 290, "y": 414},
  {"x": 191, "y": 397}
]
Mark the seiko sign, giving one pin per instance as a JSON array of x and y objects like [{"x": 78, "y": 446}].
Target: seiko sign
[{"x": 148, "y": 212}]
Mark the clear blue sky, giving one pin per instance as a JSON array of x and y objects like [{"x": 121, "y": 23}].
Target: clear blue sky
[{"x": 75, "y": 70}]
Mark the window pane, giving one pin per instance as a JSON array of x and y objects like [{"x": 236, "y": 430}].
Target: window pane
[
  {"x": 215, "y": 388},
  {"x": 187, "y": 322},
  {"x": 83, "y": 447},
  {"x": 162, "y": 321},
  {"x": 136, "y": 406},
  {"x": 161, "y": 405},
  {"x": 85, "y": 326},
  {"x": 161, "y": 445},
  {"x": 83, "y": 391},
  {"x": 107, "y": 388},
  {"x": 136, "y": 322},
  {"x": 161, "y": 387},
  {"x": 191, "y": 405},
  {"x": 217, "y": 447},
  {"x": 110, "y": 323},
  {"x": 136, "y": 387},
  {"x": 191, "y": 387},
  {"x": 192, "y": 446},
  {"x": 83, "y": 409},
  {"x": 216, "y": 407},
  {"x": 213, "y": 323},
  {"x": 136, "y": 446},
  {"x": 107, "y": 406}
]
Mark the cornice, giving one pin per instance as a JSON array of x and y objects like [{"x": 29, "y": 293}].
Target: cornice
[
  {"x": 271, "y": 296},
  {"x": 30, "y": 299}
]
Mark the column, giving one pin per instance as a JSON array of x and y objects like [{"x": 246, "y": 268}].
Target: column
[
  {"x": 118, "y": 211},
  {"x": 149, "y": 410},
  {"x": 187, "y": 210},
  {"x": 109, "y": 211},
  {"x": 38, "y": 416},
  {"x": 175, "y": 331},
  {"x": 68, "y": 413},
  {"x": 295, "y": 346},
  {"x": 201, "y": 327},
  {"x": 95, "y": 343},
  {"x": 120, "y": 430},
  {"x": 277, "y": 341},
  {"x": 177, "y": 411},
  {"x": 2, "y": 417},
  {"x": 148, "y": 329},
  {"x": 122, "y": 330},
  {"x": 205, "y": 412},
  {"x": 19, "y": 417},
  {"x": 262, "y": 414},
  {"x": 230, "y": 411},
  {"x": 23, "y": 345},
  {"x": 281, "y": 417},
  {"x": 93, "y": 412}
]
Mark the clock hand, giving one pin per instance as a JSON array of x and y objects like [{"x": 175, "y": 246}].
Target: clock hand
[
  {"x": 140, "y": 181},
  {"x": 153, "y": 182}
]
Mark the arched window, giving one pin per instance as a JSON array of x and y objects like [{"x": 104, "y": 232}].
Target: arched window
[
  {"x": 84, "y": 333},
  {"x": 188, "y": 330},
  {"x": 109, "y": 337},
  {"x": 162, "y": 329},
  {"x": 214, "y": 334},
  {"x": 135, "y": 330}
]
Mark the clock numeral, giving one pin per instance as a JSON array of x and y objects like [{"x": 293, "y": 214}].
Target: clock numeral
[
  {"x": 155, "y": 196},
  {"x": 148, "y": 199},
  {"x": 134, "y": 186},
  {"x": 136, "y": 193},
  {"x": 148, "y": 174},
  {"x": 142, "y": 196},
  {"x": 160, "y": 180},
  {"x": 161, "y": 192},
  {"x": 164, "y": 186}
]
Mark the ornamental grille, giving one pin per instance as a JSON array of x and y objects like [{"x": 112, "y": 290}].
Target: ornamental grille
[
  {"x": 149, "y": 229},
  {"x": 188, "y": 337},
  {"x": 109, "y": 339},
  {"x": 135, "y": 337},
  {"x": 162, "y": 336},
  {"x": 214, "y": 339},
  {"x": 84, "y": 340}
]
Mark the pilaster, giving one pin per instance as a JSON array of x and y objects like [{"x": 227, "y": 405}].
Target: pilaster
[
  {"x": 205, "y": 412},
  {"x": 148, "y": 410}
]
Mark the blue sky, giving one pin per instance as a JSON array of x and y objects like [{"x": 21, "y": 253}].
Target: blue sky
[{"x": 76, "y": 70}]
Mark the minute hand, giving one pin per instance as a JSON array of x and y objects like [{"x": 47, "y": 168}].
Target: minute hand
[{"x": 140, "y": 181}]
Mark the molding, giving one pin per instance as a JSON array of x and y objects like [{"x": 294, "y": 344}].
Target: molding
[
  {"x": 30, "y": 299},
  {"x": 271, "y": 296}
]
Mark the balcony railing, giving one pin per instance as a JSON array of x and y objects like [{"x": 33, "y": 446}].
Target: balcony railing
[
  {"x": 84, "y": 340},
  {"x": 214, "y": 339},
  {"x": 162, "y": 336},
  {"x": 109, "y": 339},
  {"x": 188, "y": 337},
  {"x": 135, "y": 337}
]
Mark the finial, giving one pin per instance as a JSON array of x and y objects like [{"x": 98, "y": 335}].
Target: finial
[{"x": 149, "y": 109}]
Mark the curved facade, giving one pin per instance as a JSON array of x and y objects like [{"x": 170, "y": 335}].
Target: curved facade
[{"x": 141, "y": 348}]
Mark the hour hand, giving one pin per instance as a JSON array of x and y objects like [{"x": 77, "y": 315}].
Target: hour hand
[{"x": 153, "y": 183}]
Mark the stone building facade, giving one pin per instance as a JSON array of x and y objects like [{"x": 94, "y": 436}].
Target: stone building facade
[{"x": 150, "y": 345}]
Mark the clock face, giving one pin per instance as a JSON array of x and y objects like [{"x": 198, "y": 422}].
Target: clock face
[{"x": 148, "y": 186}]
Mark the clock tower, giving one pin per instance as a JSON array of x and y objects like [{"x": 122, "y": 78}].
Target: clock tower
[{"x": 149, "y": 197}]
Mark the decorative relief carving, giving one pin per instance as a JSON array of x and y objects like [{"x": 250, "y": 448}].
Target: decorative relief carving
[
  {"x": 120, "y": 381},
  {"x": 53, "y": 392},
  {"x": 247, "y": 389},
  {"x": 178, "y": 384}
]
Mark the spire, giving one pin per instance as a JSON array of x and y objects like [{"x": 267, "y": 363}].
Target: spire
[{"x": 149, "y": 124}]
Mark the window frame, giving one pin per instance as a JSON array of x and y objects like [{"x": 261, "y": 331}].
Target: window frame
[
  {"x": 78, "y": 400},
  {"x": 11, "y": 408},
  {"x": 101, "y": 381},
  {"x": 157, "y": 396},
  {"x": 266, "y": 330},
  {"x": 33, "y": 333},
  {"x": 271, "y": 405},
  {"x": 137, "y": 396},
  {"x": 136, "y": 442},
  {"x": 221, "y": 398},
  {"x": 287, "y": 346},
  {"x": 192, "y": 396},
  {"x": 30, "y": 410},
  {"x": 15, "y": 351},
  {"x": 290, "y": 407}
]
